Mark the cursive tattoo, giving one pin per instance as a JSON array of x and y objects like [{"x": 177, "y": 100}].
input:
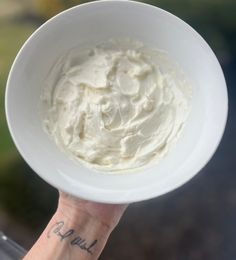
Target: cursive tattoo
[{"x": 75, "y": 239}]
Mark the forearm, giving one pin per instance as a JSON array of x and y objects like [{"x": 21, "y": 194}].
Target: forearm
[{"x": 76, "y": 235}]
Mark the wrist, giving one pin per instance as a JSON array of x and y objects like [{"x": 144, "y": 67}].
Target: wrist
[
  {"x": 73, "y": 237},
  {"x": 81, "y": 232},
  {"x": 106, "y": 214},
  {"x": 79, "y": 229},
  {"x": 79, "y": 219}
]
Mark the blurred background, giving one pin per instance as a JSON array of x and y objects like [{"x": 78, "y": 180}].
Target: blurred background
[{"x": 195, "y": 222}]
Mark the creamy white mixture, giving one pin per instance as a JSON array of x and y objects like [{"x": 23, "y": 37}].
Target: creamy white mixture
[{"x": 113, "y": 106}]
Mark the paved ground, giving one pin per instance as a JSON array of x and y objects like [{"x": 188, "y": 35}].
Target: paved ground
[{"x": 195, "y": 222}]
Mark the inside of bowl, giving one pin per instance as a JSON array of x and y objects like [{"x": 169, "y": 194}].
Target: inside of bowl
[{"x": 92, "y": 24}]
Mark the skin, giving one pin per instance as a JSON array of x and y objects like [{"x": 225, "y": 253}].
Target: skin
[{"x": 76, "y": 219}]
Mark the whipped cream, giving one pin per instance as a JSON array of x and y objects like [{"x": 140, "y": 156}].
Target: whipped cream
[{"x": 114, "y": 106}]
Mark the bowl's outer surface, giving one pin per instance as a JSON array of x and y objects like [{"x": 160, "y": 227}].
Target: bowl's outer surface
[{"x": 92, "y": 23}]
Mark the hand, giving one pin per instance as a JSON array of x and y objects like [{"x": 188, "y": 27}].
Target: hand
[
  {"x": 79, "y": 229},
  {"x": 107, "y": 214}
]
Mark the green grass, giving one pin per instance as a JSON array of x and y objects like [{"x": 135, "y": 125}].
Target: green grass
[
  {"x": 23, "y": 195},
  {"x": 12, "y": 36}
]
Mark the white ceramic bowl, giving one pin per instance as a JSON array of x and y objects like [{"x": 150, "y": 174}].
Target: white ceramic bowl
[{"x": 93, "y": 23}]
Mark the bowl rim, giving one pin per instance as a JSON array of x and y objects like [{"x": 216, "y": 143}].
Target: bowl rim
[{"x": 101, "y": 195}]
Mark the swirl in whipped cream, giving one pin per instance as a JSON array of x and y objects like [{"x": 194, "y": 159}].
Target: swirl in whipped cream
[{"x": 113, "y": 108}]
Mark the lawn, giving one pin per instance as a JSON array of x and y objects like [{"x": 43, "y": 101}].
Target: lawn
[
  {"x": 12, "y": 36},
  {"x": 20, "y": 189}
]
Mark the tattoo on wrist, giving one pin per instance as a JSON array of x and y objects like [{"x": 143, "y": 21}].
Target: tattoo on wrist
[{"x": 70, "y": 234}]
